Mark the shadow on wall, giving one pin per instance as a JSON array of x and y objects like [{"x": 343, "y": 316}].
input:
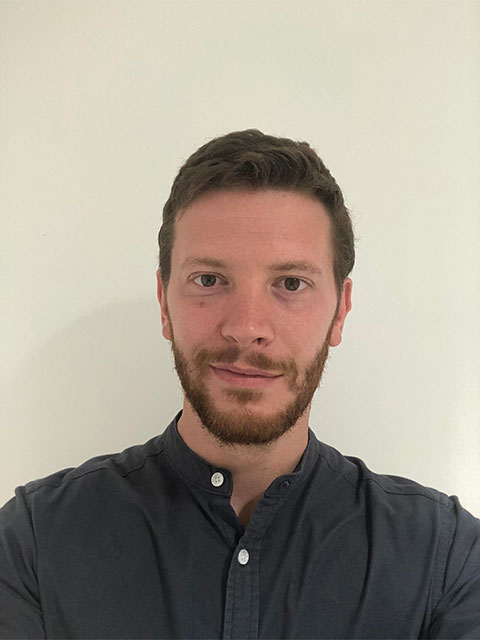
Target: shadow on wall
[{"x": 104, "y": 383}]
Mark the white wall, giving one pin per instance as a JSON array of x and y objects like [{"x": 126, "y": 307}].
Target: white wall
[{"x": 101, "y": 101}]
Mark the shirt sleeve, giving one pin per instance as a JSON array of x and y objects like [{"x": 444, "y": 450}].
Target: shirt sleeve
[
  {"x": 457, "y": 614},
  {"x": 20, "y": 610}
]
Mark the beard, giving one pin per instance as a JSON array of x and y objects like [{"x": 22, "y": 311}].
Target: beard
[{"x": 244, "y": 425}]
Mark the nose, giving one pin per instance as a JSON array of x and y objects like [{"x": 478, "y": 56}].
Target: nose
[{"x": 248, "y": 318}]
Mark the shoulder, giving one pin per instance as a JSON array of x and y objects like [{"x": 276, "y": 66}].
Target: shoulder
[
  {"x": 404, "y": 514},
  {"x": 356, "y": 478},
  {"x": 103, "y": 471},
  {"x": 418, "y": 529}
]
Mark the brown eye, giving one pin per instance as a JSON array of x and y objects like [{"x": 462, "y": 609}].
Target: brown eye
[
  {"x": 207, "y": 279},
  {"x": 293, "y": 284}
]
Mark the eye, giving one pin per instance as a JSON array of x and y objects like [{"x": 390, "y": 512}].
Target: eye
[
  {"x": 293, "y": 284},
  {"x": 207, "y": 280}
]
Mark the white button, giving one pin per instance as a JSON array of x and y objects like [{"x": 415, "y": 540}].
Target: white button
[
  {"x": 243, "y": 556},
  {"x": 217, "y": 479}
]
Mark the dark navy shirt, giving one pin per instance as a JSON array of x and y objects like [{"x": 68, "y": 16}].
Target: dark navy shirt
[{"x": 145, "y": 544}]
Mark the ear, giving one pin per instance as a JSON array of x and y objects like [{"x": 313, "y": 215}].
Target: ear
[
  {"x": 343, "y": 309},
  {"x": 162, "y": 299}
]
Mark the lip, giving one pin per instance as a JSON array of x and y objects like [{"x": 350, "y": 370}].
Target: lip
[
  {"x": 240, "y": 380},
  {"x": 246, "y": 372}
]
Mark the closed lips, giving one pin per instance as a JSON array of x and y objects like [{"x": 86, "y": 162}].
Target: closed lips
[{"x": 249, "y": 372}]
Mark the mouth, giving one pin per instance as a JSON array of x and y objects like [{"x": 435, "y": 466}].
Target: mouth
[
  {"x": 245, "y": 372},
  {"x": 254, "y": 380}
]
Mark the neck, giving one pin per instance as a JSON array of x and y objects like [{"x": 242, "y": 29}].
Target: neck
[{"x": 253, "y": 468}]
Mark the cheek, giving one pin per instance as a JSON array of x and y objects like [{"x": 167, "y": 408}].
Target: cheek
[
  {"x": 297, "y": 338},
  {"x": 307, "y": 335},
  {"x": 191, "y": 323},
  {"x": 303, "y": 326}
]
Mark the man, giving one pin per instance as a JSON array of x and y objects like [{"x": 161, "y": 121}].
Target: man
[{"x": 237, "y": 522}]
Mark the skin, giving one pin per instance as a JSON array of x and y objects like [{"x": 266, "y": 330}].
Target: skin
[{"x": 245, "y": 314}]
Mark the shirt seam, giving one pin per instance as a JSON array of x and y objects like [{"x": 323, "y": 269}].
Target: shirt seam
[
  {"x": 437, "y": 500},
  {"x": 35, "y": 486},
  {"x": 36, "y": 561},
  {"x": 442, "y": 557}
]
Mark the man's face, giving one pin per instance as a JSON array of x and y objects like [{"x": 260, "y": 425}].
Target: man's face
[{"x": 241, "y": 293}]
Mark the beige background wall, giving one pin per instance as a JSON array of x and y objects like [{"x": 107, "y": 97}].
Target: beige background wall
[{"x": 100, "y": 103}]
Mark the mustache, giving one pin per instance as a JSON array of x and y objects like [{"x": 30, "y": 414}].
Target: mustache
[{"x": 233, "y": 354}]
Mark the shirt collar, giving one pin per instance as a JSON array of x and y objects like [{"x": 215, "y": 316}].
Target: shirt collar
[{"x": 200, "y": 473}]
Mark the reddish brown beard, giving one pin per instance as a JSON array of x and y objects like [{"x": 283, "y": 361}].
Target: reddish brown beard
[{"x": 244, "y": 425}]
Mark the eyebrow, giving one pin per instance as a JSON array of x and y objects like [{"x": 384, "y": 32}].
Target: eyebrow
[{"x": 307, "y": 267}]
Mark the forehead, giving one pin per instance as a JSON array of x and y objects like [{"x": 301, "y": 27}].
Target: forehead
[{"x": 249, "y": 226}]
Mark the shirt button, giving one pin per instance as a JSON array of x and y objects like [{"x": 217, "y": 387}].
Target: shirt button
[
  {"x": 243, "y": 556},
  {"x": 217, "y": 479}
]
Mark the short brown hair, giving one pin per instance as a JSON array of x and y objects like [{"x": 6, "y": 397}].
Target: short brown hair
[{"x": 253, "y": 161}]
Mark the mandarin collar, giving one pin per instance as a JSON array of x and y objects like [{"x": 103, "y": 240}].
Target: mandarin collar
[{"x": 201, "y": 474}]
